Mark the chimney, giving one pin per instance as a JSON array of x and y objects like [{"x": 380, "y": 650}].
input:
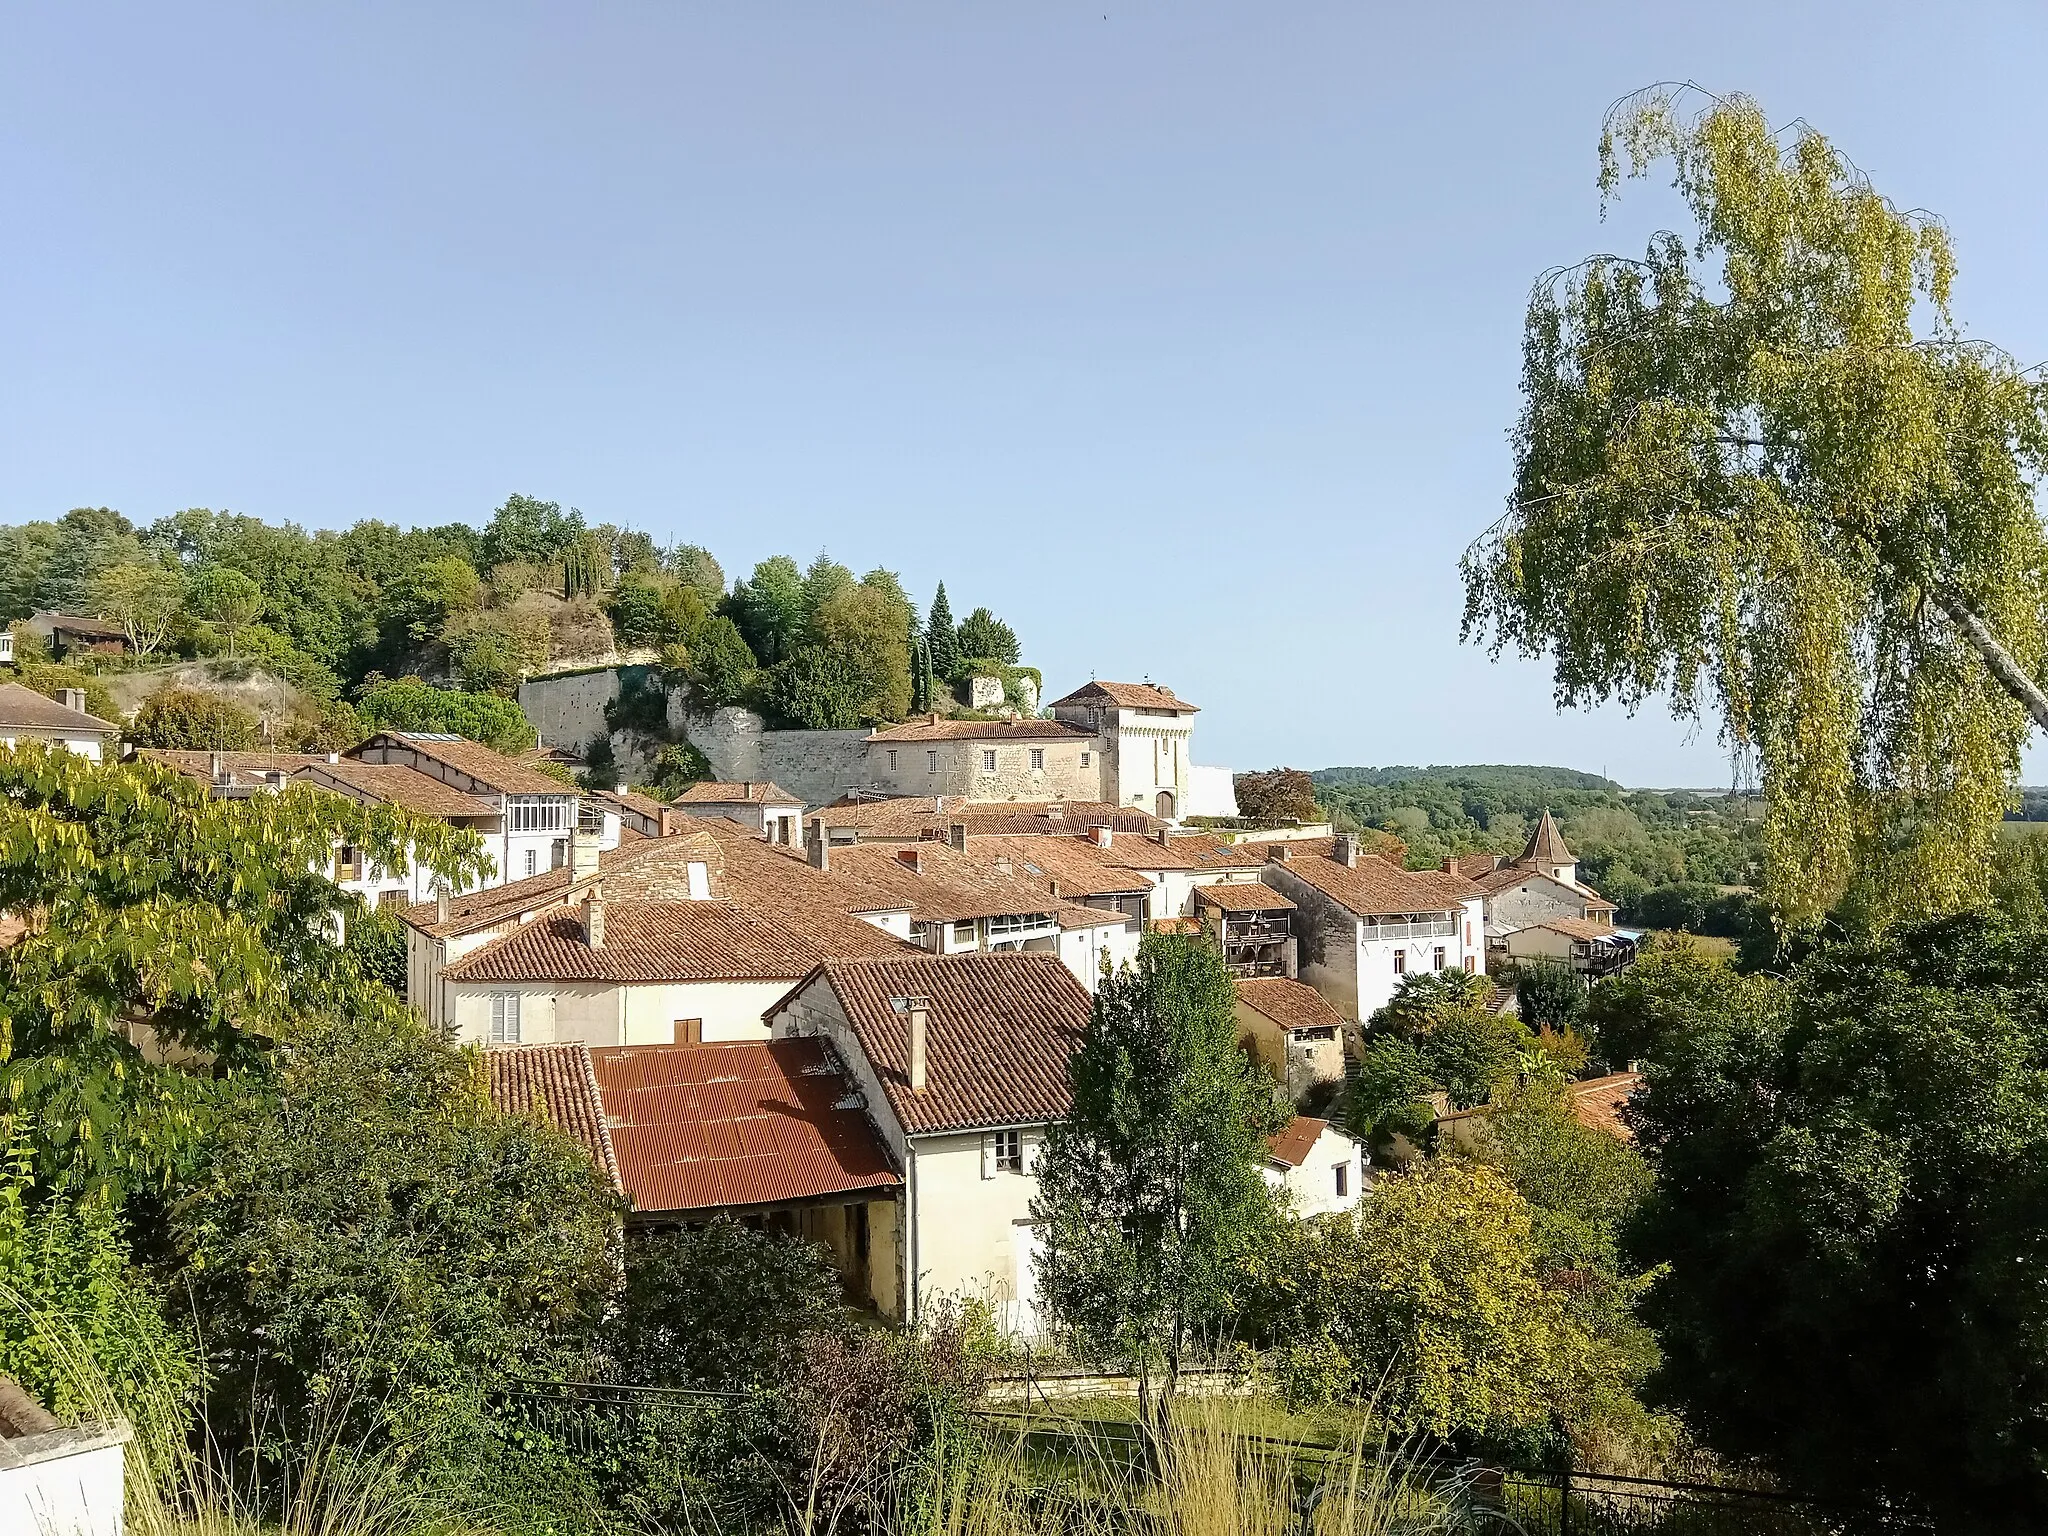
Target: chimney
[
  {"x": 1290, "y": 957},
  {"x": 956, "y": 836},
  {"x": 619, "y": 788},
  {"x": 593, "y": 921},
  {"x": 920, "y": 1027},
  {"x": 441, "y": 905},
  {"x": 72, "y": 698},
  {"x": 582, "y": 853},
  {"x": 1100, "y": 835},
  {"x": 911, "y": 858},
  {"x": 1276, "y": 853},
  {"x": 817, "y": 846},
  {"x": 1162, "y": 834},
  {"x": 1449, "y": 866},
  {"x": 213, "y": 767},
  {"x": 1003, "y": 866},
  {"x": 334, "y": 757},
  {"x": 938, "y": 805},
  {"x": 1344, "y": 849}
]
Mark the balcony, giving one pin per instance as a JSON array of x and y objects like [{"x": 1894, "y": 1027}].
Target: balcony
[{"x": 1435, "y": 929}]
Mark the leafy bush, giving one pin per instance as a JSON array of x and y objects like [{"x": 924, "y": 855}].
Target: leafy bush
[
  {"x": 193, "y": 720},
  {"x": 407, "y": 704}
]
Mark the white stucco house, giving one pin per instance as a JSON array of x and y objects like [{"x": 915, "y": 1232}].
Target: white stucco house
[
  {"x": 1321, "y": 1170},
  {"x": 26, "y": 715}
]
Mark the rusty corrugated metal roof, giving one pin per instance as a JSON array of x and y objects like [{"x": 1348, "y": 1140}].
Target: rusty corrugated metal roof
[{"x": 705, "y": 1127}]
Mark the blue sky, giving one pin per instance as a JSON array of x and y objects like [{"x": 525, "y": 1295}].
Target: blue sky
[{"x": 1185, "y": 336}]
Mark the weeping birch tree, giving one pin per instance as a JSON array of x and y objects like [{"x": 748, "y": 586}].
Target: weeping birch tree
[{"x": 1761, "y": 471}]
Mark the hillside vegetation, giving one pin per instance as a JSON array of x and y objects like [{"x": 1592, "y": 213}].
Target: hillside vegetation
[{"x": 1630, "y": 843}]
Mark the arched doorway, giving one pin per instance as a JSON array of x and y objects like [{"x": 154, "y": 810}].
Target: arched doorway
[{"x": 1165, "y": 811}]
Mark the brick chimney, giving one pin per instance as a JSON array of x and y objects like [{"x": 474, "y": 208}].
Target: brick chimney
[
  {"x": 911, "y": 858},
  {"x": 919, "y": 1009},
  {"x": 1101, "y": 835},
  {"x": 956, "y": 836},
  {"x": 593, "y": 921},
  {"x": 1344, "y": 849}
]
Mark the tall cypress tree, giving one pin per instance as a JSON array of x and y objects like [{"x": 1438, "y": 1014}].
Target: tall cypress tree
[{"x": 940, "y": 635}]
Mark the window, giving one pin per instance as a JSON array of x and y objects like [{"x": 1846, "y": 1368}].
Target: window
[
  {"x": 931, "y": 762},
  {"x": 1038, "y": 757},
  {"x": 347, "y": 863},
  {"x": 988, "y": 762},
  {"x": 689, "y": 1031},
  {"x": 1400, "y": 962},
  {"x": 892, "y": 759},
  {"x": 1009, "y": 1151},
  {"x": 1471, "y": 962},
  {"x": 698, "y": 874},
  {"x": 540, "y": 813},
  {"x": 389, "y": 899},
  {"x": 1343, "y": 1171},
  {"x": 504, "y": 1018},
  {"x": 963, "y": 931},
  {"x": 533, "y": 861},
  {"x": 1436, "y": 959},
  {"x": 1084, "y": 759}
]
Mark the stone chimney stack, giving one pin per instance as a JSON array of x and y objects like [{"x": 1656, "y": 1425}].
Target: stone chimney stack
[
  {"x": 441, "y": 905},
  {"x": 1276, "y": 853},
  {"x": 1344, "y": 849},
  {"x": 593, "y": 921},
  {"x": 72, "y": 698},
  {"x": 213, "y": 770},
  {"x": 956, "y": 836},
  {"x": 1003, "y": 865},
  {"x": 583, "y": 853},
  {"x": 920, "y": 1029},
  {"x": 1162, "y": 834},
  {"x": 818, "y": 847}
]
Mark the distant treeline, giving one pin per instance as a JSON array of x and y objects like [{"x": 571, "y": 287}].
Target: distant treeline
[{"x": 482, "y": 607}]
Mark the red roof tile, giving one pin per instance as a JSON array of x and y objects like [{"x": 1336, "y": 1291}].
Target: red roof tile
[
  {"x": 395, "y": 784},
  {"x": 756, "y": 792},
  {"x": 1001, "y": 1029},
  {"x": 1244, "y": 896},
  {"x": 912, "y": 816},
  {"x": 1374, "y": 887},
  {"x": 506, "y": 775},
  {"x": 1290, "y": 1004},
  {"x": 556, "y": 1083},
  {"x": 1294, "y": 1143},
  {"x": 1598, "y": 1102},
  {"x": 937, "y": 884},
  {"x": 1127, "y": 696},
  {"x": 704, "y": 1127},
  {"x": 981, "y": 730}
]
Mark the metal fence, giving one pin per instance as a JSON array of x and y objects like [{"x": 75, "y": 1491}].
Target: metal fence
[{"x": 1517, "y": 1503}]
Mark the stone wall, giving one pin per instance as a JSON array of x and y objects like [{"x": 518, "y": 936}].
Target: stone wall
[
  {"x": 568, "y": 711},
  {"x": 815, "y": 766}
]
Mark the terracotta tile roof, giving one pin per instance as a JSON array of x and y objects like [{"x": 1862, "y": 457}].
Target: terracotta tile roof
[
  {"x": 1584, "y": 929},
  {"x": 757, "y": 792},
  {"x": 1290, "y": 1004},
  {"x": 1375, "y": 888},
  {"x": 237, "y": 765},
  {"x": 912, "y": 816},
  {"x": 703, "y": 1127},
  {"x": 937, "y": 884},
  {"x": 1472, "y": 865},
  {"x": 1244, "y": 896},
  {"x": 26, "y": 710},
  {"x": 1183, "y": 851},
  {"x": 1598, "y": 1102},
  {"x": 1187, "y": 925},
  {"x": 1546, "y": 843},
  {"x": 556, "y": 1083},
  {"x": 1071, "y": 916},
  {"x": 504, "y": 774},
  {"x": 1127, "y": 696},
  {"x": 655, "y": 941},
  {"x": 1066, "y": 862},
  {"x": 646, "y": 805},
  {"x": 928, "y": 729},
  {"x": 1000, "y": 1031},
  {"x": 1294, "y": 1143},
  {"x": 395, "y": 784}
]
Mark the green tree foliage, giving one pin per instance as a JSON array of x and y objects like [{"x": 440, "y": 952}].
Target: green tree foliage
[
  {"x": 78, "y": 1319},
  {"x": 984, "y": 637},
  {"x": 194, "y": 720},
  {"x": 369, "y": 1239},
  {"x": 722, "y": 669},
  {"x": 723, "y": 1306},
  {"x": 495, "y": 651},
  {"x": 1765, "y": 473},
  {"x": 529, "y": 530},
  {"x": 1549, "y": 995},
  {"x": 819, "y": 688},
  {"x": 423, "y": 600},
  {"x": 218, "y": 941},
  {"x": 768, "y": 607},
  {"x": 942, "y": 637},
  {"x": 824, "y": 580},
  {"x": 1433, "y": 1036},
  {"x": 1429, "y": 1300},
  {"x": 1850, "y": 1201},
  {"x": 57, "y": 565},
  {"x": 1279, "y": 794},
  {"x": 864, "y": 628},
  {"x": 1632, "y": 1015},
  {"x": 143, "y": 599},
  {"x": 586, "y": 566},
  {"x": 695, "y": 567},
  {"x": 1151, "y": 1197},
  {"x": 407, "y": 704},
  {"x": 225, "y": 597}
]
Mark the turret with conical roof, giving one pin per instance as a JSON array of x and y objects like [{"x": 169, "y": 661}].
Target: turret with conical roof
[{"x": 1547, "y": 852}]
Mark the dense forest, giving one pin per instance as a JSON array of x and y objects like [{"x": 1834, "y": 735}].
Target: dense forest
[
  {"x": 335, "y": 612},
  {"x": 1649, "y": 851}
]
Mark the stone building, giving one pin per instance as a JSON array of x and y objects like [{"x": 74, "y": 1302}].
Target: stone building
[
  {"x": 985, "y": 759},
  {"x": 1144, "y": 736}
]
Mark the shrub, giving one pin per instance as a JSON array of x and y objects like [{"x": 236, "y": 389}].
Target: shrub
[
  {"x": 407, "y": 704},
  {"x": 192, "y": 720}
]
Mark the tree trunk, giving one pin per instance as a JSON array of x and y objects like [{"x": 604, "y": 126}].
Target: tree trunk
[{"x": 2010, "y": 675}]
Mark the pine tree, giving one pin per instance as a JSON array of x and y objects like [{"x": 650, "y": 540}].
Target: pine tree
[{"x": 941, "y": 638}]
